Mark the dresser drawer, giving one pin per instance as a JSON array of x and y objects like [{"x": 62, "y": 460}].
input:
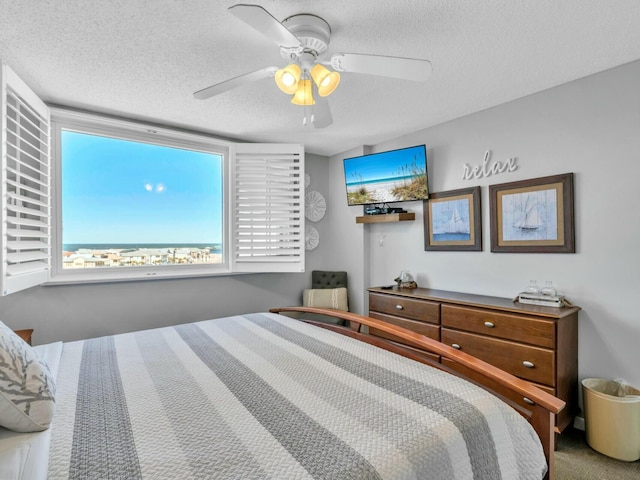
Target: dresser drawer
[
  {"x": 531, "y": 363},
  {"x": 495, "y": 386},
  {"x": 426, "y": 329},
  {"x": 422, "y": 310},
  {"x": 519, "y": 328}
]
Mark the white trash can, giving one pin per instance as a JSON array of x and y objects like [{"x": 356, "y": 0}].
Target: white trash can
[{"x": 612, "y": 418}]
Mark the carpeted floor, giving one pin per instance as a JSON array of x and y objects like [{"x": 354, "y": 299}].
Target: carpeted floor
[{"x": 575, "y": 460}]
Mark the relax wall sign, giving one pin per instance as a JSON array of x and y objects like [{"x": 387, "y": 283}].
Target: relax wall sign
[{"x": 487, "y": 168}]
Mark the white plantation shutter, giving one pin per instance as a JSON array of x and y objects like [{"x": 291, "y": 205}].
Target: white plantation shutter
[
  {"x": 25, "y": 186},
  {"x": 268, "y": 208}
]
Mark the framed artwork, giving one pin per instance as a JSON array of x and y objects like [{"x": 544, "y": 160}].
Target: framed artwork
[
  {"x": 533, "y": 215},
  {"x": 453, "y": 220}
]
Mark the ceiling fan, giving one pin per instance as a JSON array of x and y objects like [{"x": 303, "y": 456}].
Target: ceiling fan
[{"x": 303, "y": 39}]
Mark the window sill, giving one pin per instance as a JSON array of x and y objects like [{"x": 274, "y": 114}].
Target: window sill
[{"x": 77, "y": 278}]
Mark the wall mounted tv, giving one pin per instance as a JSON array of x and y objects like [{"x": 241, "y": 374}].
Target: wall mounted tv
[{"x": 386, "y": 177}]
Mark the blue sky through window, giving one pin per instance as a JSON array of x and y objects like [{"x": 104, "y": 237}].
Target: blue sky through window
[{"x": 126, "y": 192}]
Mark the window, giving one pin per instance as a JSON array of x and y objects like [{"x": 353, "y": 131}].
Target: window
[
  {"x": 121, "y": 200},
  {"x": 119, "y": 196},
  {"x": 136, "y": 201}
]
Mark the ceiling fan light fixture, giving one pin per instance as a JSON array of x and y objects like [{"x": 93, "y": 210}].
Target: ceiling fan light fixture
[
  {"x": 326, "y": 80},
  {"x": 304, "y": 94},
  {"x": 287, "y": 78}
]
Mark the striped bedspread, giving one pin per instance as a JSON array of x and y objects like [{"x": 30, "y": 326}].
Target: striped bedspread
[{"x": 264, "y": 396}]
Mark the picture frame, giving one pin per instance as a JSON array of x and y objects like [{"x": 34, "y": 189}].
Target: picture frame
[
  {"x": 533, "y": 216},
  {"x": 453, "y": 220}
]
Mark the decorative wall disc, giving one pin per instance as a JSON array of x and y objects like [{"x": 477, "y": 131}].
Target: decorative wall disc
[
  {"x": 311, "y": 237},
  {"x": 314, "y": 206},
  {"x": 307, "y": 179}
]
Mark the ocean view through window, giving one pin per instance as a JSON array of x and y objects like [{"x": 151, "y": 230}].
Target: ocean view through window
[
  {"x": 98, "y": 198},
  {"x": 129, "y": 203}
]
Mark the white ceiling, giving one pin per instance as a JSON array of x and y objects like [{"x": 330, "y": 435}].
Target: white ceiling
[{"x": 143, "y": 59}]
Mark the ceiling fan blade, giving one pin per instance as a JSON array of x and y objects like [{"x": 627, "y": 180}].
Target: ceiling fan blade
[
  {"x": 396, "y": 67},
  {"x": 322, "y": 117},
  {"x": 222, "y": 87},
  {"x": 262, "y": 21}
]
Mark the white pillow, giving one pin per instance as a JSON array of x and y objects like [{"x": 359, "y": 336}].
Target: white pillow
[
  {"x": 27, "y": 388},
  {"x": 326, "y": 298}
]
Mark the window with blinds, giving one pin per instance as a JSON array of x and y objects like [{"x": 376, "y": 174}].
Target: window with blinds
[
  {"x": 259, "y": 197},
  {"x": 268, "y": 216},
  {"x": 26, "y": 181}
]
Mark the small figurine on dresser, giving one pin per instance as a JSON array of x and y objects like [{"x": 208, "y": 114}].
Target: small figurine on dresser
[{"x": 405, "y": 280}]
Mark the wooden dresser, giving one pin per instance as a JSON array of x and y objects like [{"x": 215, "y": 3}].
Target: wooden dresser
[
  {"x": 25, "y": 334},
  {"x": 535, "y": 343}
]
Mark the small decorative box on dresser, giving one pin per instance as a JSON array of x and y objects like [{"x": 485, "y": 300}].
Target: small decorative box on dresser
[{"x": 536, "y": 343}]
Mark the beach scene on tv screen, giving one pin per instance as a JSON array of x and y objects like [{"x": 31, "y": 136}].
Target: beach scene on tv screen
[{"x": 395, "y": 176}]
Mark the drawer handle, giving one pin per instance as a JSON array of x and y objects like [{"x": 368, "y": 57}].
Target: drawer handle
[
  {"x": 456, "y": 346},
  {"x": 528, "y": 400},
  {"x": 528, "y": 364},
  {"x": 489, "y": 324},
  {"x": 399, "y": 307}
]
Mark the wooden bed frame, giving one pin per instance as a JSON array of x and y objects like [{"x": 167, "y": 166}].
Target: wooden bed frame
[{"x": 544, "y": 406}]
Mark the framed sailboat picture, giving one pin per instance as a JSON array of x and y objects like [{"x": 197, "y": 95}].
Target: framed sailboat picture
[
  {"x": 453, "y": 220},
  {"x": 533, "y": 215}
]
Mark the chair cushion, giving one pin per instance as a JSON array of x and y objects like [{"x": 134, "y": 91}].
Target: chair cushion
[{"x": 326, "y": 298}]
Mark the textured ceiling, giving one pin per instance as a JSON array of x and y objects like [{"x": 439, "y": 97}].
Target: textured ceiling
[{"x": 143, "y": 59}]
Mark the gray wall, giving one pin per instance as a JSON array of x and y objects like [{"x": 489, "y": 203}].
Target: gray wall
[
  {"x": 590, "y": 127},
  {"x": 72, "y": 312}
]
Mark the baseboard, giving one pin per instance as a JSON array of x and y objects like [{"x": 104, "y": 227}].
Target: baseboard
[{"x": 578, "y": 423}]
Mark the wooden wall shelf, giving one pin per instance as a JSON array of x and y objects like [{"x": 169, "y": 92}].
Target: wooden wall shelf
[{"x": 388, "y": 217}]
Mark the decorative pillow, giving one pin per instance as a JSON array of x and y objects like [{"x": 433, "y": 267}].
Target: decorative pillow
[
  {"x": 27, "y": 387},
  {"x": 325, "y": 298}
]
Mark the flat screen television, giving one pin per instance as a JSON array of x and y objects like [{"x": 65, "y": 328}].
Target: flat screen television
[{"x": 387, "y": 177}]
